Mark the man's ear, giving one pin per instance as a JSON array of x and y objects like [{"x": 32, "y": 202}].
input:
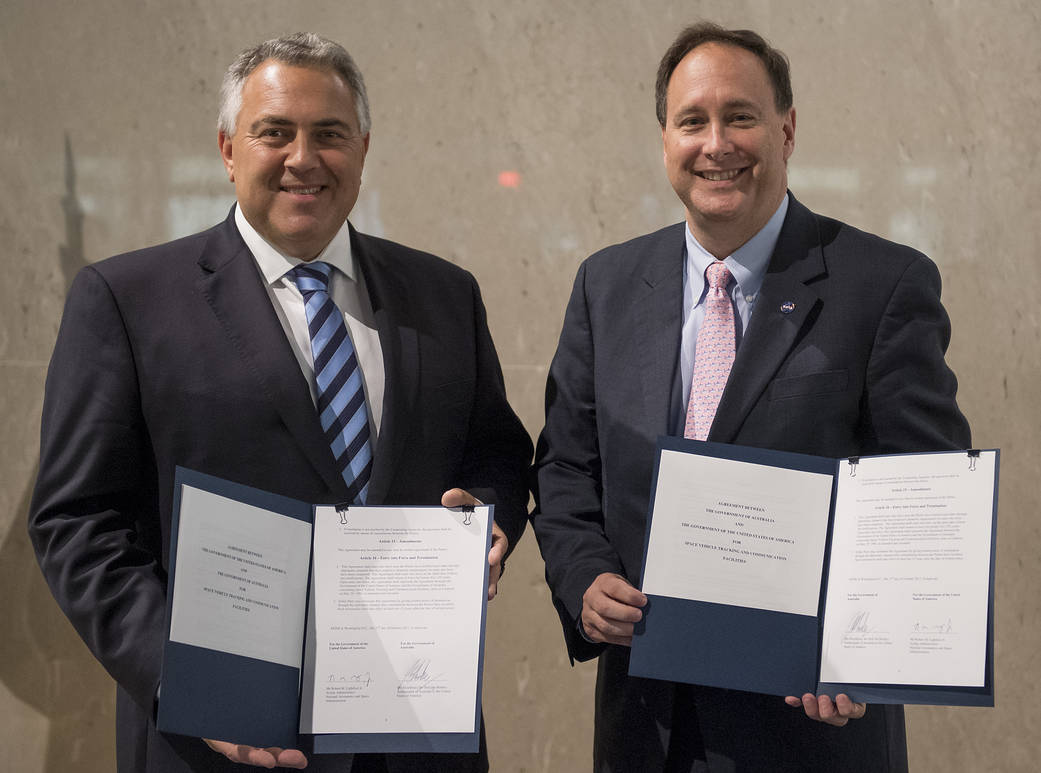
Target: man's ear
[
  {"x": 224, "y": 144},
  {"x": 789, "y": 134}
]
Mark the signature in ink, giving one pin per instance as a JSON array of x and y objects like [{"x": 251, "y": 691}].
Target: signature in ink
[
  {"x": 859, "y": 623},
  {"x": 945, "y": 627},
  {"x": 419, "y": 673},
  {"x": 363, "y": 679}
]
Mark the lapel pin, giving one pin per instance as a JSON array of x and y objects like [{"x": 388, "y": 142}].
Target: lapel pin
[{"x": 788, "y": 307}]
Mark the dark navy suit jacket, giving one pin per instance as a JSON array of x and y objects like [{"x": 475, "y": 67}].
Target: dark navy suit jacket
[
  {"x": 856, "y": 368},
  {"x": 174, "y": 355}
]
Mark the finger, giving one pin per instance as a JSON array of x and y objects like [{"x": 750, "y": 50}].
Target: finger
[
  {"x": 828, "y": 713},
  {"x": 291, "y": 758},
  {"x": 809, "y": 705},
  {"x": 847, "y": 708},
  {"x": 791, "y": 700},
  {"x": 599, "y": 628},
  {"x": 619, "y": 589},
  {"x": 494, "y": 572},
  {"x": 499, "y": 545},
  {"x": 610, "y": 609},
  {"x": 614, "y": 587},
  {"x": 262, "y": 758},
  {"x": 241, "y": 753},
  {"x": 496, "y": 554},
  {"x": 608, "y": 638},
  {"x": 457, "y": 497},
  {"x": 825, "y": 708}
]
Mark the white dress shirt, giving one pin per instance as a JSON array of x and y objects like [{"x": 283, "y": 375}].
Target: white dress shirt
[{"x": 348, "y": 292}]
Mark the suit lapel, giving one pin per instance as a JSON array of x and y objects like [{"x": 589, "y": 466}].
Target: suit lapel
[
  {"x": 658, "y": 323},
  {"x": 232, "y": 285},
  {"x": 784, "y": 306},
  {"x": 388, "y": 294}
]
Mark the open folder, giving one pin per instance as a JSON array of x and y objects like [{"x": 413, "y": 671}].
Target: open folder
[
  {"x": 787, "y": 574},
  {"x": 362, "y": 626}
]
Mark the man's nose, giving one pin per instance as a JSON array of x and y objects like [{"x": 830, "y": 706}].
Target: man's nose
[
  {"x": 717, "y": 141},
  {"x": 303, "y": 154}
]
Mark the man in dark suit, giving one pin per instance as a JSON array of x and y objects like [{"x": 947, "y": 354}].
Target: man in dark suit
[
  {"x": 834, "y": 345},
  {"x": 199, "y": 353}
]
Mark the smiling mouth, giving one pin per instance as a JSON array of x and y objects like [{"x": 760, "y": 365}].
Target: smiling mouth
[
  {"x": 302, "y": 191},
  {"x": 720, "y": 176}
]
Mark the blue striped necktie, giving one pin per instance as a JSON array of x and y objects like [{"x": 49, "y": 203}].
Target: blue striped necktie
[{"x": 341, "y": 398}]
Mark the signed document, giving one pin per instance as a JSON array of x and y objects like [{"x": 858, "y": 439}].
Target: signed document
[
  {"x": 785, "y": 574},
  {"x": 397, "y": 620},
  {"x": 907, "y": 601},
  {"x": 361, "y": 626}
]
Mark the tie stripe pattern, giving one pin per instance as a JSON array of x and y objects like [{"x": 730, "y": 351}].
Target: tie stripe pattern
[
  {"x": 713, "y": 353},
  {"x": 341, "y": 397}
]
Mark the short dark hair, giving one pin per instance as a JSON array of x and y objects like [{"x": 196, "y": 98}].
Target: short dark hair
[{"x": 775, "y": 62}]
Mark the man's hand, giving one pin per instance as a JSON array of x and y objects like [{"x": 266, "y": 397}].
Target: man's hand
[
  {"x": 610, "y": 607},
  {"x": 272, "y": 757},
  {"x": 822, "y": 709},
  {"x": 457, "y": 498}
]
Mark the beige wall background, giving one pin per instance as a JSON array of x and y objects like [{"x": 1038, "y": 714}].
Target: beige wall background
[{"x": 916, "y": 120}]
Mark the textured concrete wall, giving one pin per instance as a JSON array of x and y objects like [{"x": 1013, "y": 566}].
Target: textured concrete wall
[{"x": 915, "y": 120}]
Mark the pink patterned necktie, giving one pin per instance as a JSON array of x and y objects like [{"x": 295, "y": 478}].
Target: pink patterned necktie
[{"x": 713, "y": 354}]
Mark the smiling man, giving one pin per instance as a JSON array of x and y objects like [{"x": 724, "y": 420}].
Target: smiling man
[
  {"x": 756, "y": 322},
  {"x": 295, "y": 152},
  {"x": 281, "y": 349}
]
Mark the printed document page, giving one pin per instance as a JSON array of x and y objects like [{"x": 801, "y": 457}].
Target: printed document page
[
  {"x": 398, "y": 600},
  {"x": 738, "y": 533},
  {"x": 908, "y": 585},
  {"x": 241, "y": 578}
]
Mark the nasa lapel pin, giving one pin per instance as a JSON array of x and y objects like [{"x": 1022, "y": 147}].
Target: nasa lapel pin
[{"x": 788, "y": 307}]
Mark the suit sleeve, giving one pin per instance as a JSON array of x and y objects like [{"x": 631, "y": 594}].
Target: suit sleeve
[
  {"x": 498, "y": 449},
  {"x": 93, "y": 520},
  {"x": 910, "y": 396},
  {"x": 568, "y": 520}
]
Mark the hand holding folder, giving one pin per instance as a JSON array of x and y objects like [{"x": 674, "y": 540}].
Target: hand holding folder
[
  {"x": 272, "y": 757},
  {"x": 794, "y": 575},
  {"x": 610, "y": 609}
]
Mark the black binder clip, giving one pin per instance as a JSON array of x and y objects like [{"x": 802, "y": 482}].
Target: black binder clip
[
  {"x": 468, "y": 514},
  {"x": 342, "y": 511},
  {"x": 853, "y": 462},
  {"x": 974, "y": 454}
]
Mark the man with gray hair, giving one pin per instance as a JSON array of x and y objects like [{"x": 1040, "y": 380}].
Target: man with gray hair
[{"x": 200, "y": 353}]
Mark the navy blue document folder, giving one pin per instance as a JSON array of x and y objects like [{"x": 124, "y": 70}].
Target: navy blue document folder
[
  {"x": 765, "y": 651},
  {"x": 208, "y": 693}
]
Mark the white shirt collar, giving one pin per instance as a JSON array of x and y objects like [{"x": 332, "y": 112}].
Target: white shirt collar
[{"x": 274, "y": 263}]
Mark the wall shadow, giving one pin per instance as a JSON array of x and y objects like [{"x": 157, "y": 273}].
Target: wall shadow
[
  {"x": 43, "y": 662},
  {"x": 71, "y": 255}
]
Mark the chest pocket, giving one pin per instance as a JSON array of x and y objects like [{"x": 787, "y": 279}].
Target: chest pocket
[{"x": 822, "y": 383}]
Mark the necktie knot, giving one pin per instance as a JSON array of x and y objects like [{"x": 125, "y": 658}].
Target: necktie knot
[
  {"x": 311, "y": 277},
  {"x": 718, "y": 275}
]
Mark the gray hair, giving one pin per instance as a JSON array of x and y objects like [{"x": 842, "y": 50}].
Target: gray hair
[{"x": 302, "y": 49}]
